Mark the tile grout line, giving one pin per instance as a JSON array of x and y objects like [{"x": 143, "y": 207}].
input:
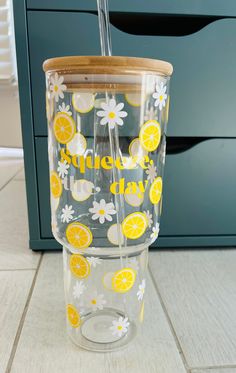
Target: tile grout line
[
  {"x": 213, "y": 367},
  {"x": 8, "y": 181},
  {"x": 18, "y": 269},
  {"x": 22, "y": 320},
  {"x": 178, "y": 345}
]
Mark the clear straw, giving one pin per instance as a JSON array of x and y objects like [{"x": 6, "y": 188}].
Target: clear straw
[
  {"x": 104, "y": 27},
  {"x": 106, "y": 50}
]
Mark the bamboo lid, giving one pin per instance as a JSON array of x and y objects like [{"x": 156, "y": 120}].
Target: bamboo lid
[{"x": 107, "y": 65}]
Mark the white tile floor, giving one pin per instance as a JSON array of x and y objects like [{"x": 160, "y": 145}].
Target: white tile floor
[{"x": 190, "y": 321}]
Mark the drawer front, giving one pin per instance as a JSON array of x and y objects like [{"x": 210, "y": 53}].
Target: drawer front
[
  {"x": 199, "y": 190},
  {"x": 203, "y": 84},
  {"x": 41, "y": 147},
  {"x": 199, "y": 7}
]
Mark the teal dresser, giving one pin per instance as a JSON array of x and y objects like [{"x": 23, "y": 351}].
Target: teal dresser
[{"x": 198, "y": 38}]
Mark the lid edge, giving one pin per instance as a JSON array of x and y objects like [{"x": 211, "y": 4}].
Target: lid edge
[{"x": 137, "y": 64}]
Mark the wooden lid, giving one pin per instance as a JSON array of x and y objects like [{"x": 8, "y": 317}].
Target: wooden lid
[{"x": 107, "y": 65}]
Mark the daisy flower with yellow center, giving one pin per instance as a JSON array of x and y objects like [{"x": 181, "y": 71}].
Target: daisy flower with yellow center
[
  {"x": 57, "y": 87},
  {"x": 102, "y": 211},
  {"x": 160, "y": 96},
  {"x": 120, "y": 326},
  {"x": 155, "y": 231},
  {"x": 141, "y": 290},
  {"x": 149, "y": 218},
  {"x": 112, "y": 113},
  {"x": 95, "y": 301}
]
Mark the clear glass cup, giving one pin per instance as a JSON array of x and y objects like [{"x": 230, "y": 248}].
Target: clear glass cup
[{"x": 107, "y": 120}]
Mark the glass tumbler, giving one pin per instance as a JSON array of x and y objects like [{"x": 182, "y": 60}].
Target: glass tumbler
[{"x": 107, "y": 120}]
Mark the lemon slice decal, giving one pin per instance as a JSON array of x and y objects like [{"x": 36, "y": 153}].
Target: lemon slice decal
[
  {"x": 79, "y": 266},
  {"x": 73, "y": 316},
  {"x": 113, "y": 232},
  {"x": 150, "y": 135},
  {"x": 55, "y": 185},
  {"x": 123, "y": 280},
  {"x": 134, "y": 225},
  {"x": 77, "y": 145},
  {"x": 82, "y": 190},
  {"x": 136, "y": 150},
  {"x": 83, "y": 102},
  {"x": 78, "y": 235},
  {"x": 134, "y": 99},
  {"x": 156, "y": 190},
  {"x": 134, "y": 199},
  {"x": 64, "y": 128},
  {"x": 107, "y": 280}
]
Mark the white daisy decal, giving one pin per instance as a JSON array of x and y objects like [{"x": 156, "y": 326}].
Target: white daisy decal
[
  {"x": 65, "y": 108},
  {"x": 112, "y": 113},
  {"x": 155, "y": 231},
  {"x": 160, "y": 96},
  {"x": 56, "y": 87},
  {"x": 93, "y": 261},
  {"x": 62, "y": 168},
  {"x": 78, "y": 289},
  {"x": 151, "y": 171},
  {"x": 95, "y": 301},
  {"x": 67, "y": 214},
  {"x": 120, "y": 326},
  {"x": 141, "y": 290},
  {"x": 133, "y": 263},
  {"x": 150, "y": 114},
  {"x": 149, "y": 218},
  {"x": 102, "y": 211}
]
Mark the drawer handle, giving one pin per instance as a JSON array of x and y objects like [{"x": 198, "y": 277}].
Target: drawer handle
[
  {"x": 175, "y": 145},
  {"x": 160, "y": 24}
]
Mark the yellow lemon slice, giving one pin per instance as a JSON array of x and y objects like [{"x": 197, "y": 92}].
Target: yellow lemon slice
[
  {"x": 134, "y": 225},
  {"x": 123, "y": 280},
  {"x": 136, "y": 150},
  {"x": 78, "y": 235},
  {"x": 77, "y": 145},
  {"x": 134, "y": 199},
  {"x": 107, "y": 280},
  {"x": 73, "y": 316},
  {"x": 55, "y": 185},
  {"x": 134, "y": 99},
  {"x": 150, "y": 135},
  {"x": 79, "y": 266},
  {"x": 82, "y": 190},
  {"x": 156, "y": 190},
  {"x": 83, "y": 102},
  {"x": 64, "y": 128},
  {"x": 113, "y": 232}
]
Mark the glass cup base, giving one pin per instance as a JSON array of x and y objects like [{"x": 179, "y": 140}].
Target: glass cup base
[{"x": 95, "y": 334}]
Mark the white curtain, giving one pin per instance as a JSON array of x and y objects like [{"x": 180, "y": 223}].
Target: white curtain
[{"x": 7, "y": 43}]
